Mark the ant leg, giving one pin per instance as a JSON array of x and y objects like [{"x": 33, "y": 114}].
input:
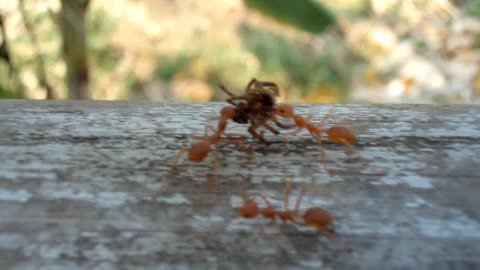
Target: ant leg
[
  {"x": 235, "y": 98},
  {"x": 261, "y": 230},
  {"x": 294, "y": 133},
  {"x": 212, "y": 183},
  {"x": 325, "y": 118},
  {"x": 235, "y": 135},
  {"x": 264, "y": 198},
  {"x": 241, "y": 142},
  {"x": 226, "y": 91},
  {"x": 286, "y": 194},
  {"x": 232, "y": 97},
  {"x": 231, "y": 101},
  {"x": 335, "y": 238},
  {"x": 299, "y": 200},
  {"x": 269, "y": 206},
  {"x": 270, "y": 86},
  {"x": 322, "y": 154},
  {"x": 250, "y": 83},
  {"x": 245, "y": 199},
  {"x": 181, "y": 152},
  {"x": 328, "y": 115},
  {"x": 201, "y": 139},
  {"x": 278, "y": 238},
  {"x": 209, "y": 128},
  {"x": 175, "y": 162},
  {"x": 282, "y": 125},
  {"x": 253, "y": 132},
  {"x": 306, "y": 189},
  {"x": 279, "y": 124},
  {"x": 271, "y": 129},
  {"x": 253, "y": 147},
  {"x": 355, "y": 151}
]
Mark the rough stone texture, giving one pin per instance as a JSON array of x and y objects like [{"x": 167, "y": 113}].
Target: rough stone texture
[{"x": 78, "y": 183}]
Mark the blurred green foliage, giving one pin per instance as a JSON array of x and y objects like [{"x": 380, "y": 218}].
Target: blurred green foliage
[
  {"x": 168, "y": 67},
  {"x": 473, "y": 8},
  {"x": 305, "y": 68},
  {"x": 153, "y": 49},
  {"x": 5, "y": 74},
  {"x": 99, "y": 26},
  {"x": 307, "y": 15}
]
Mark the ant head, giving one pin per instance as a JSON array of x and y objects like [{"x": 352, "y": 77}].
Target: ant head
[
  {"x": 249, "y": 209},
  {"x": 199, "y": 151},
  {"x": 285, "y": 110},
  {"x": 228, "y": 112}
]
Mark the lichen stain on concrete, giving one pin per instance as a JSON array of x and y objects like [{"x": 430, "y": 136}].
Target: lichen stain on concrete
[
  {"x": 12, "y": 241},
  {"x": 317, "y": 264},
  {"x": 417, "y": 202},
  {"x": 114, "y": 199},
  {"x": 54, "y": 191},
  {"x": 177, "y": 198},
  {"x": 16, "y": 196},
  {"x": 458, "y": 227},
  {"x": 206, "y": 222},
  {"x": 411, "y": 180}
]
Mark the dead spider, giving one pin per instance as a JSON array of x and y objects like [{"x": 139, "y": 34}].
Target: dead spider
[{"x": 256, "y": 106}]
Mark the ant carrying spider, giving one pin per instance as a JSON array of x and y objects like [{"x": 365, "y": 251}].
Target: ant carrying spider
[
  {"x": 314, "y": 217},
  {"x": 256, "y": 106},
  {"x": 337, "y": 134}
]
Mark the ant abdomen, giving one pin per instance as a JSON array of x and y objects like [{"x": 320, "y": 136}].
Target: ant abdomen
[
  {"x": 249, "y": 209},
  {"x": 317, "y": 217},
  {"x": 199, "y": 151},
  {"x": 340, "y": 135}
]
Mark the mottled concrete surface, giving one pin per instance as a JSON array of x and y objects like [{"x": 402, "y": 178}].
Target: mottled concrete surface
[{"x": 78, "y": 183}]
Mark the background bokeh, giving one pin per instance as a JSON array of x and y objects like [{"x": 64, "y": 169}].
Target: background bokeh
[{"x": 352, "y": 51}]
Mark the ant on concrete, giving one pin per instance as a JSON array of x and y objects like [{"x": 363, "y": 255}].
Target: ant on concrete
[
  {"x": 314, "y": 217},
  {"x": 337, "y": 134},
  {"x": 199, "y": 151},
  {"x": 256, "y": 106}
]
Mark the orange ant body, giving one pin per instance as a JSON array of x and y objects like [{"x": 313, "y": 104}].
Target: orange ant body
[
  {"x": 250, "y": 209},
  {"x": 200, "y": 150},
  {"x": 314, "y": 217},
  {"x": 336, "y": 134}
]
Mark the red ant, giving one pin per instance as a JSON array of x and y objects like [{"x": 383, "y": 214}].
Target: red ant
[
  {"x": 336, "y": 134},
  {"x": 200, "y": 150},
  {"x": 314, "y": 217}
]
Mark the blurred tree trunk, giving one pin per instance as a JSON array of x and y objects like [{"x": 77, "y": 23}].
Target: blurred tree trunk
[
  {"x": 72, "y": 24},
  {"x": 15, "y": 83},
  {"x": 41, "y": 65},
  {"x": 4, "y": 48}
]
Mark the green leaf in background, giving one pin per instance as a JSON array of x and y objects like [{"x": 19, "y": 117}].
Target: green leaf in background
[
  {"x": 5, "y": 94},
  {"x": 307, "y": 15}
]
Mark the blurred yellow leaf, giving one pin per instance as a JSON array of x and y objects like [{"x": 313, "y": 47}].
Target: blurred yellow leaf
[
  {"x": 192, "y": 90},
  {"x": 371, "y": 76},
  {"x": 408, "y": 84},
  {"x": 476, "y": 83},
  {"x": 323, "y": 94}
]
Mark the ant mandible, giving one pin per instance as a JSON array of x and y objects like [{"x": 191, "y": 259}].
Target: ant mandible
[{"x": 337, "y": 134}]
